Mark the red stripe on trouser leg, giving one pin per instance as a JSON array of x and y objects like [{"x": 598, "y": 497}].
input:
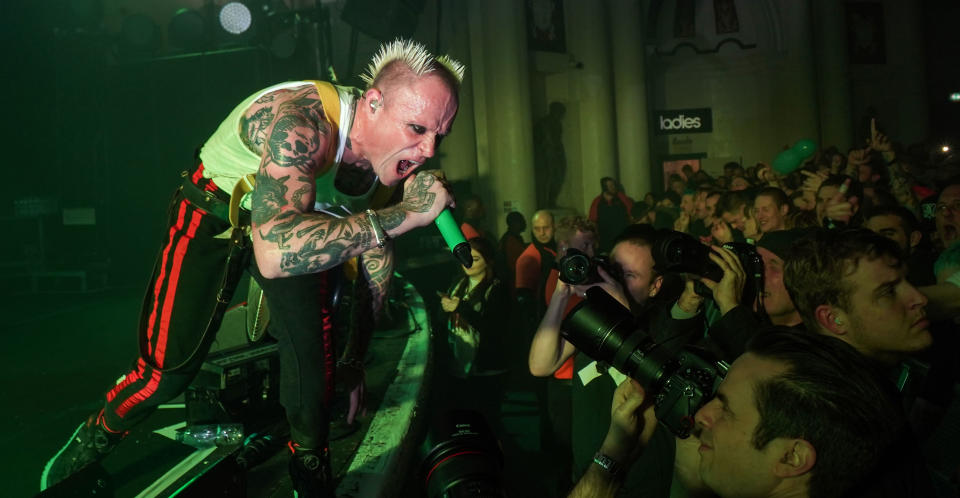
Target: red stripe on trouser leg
[
  {"x": 140, "y": 395},
  {"x": 130, "y": 378},
  {"x": 328, "y": 354},
  {"x": 178, "y": 255},
  {"x": 163, "y": 270}
]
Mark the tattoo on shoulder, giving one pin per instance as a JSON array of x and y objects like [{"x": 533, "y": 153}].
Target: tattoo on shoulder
[
  {"x": 253, "y": 128},
  {"x": 295, "y": 141}
]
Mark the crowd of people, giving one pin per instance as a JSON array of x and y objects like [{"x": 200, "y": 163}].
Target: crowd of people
[{"x": 833, "y": 298}]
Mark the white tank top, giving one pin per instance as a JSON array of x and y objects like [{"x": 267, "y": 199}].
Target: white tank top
[{"x": 226, "y": 159}]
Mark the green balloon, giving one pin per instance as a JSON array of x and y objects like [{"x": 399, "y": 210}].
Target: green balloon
[
  {"x": 787, "y": 161},
  {"x": 805, "y": 148}
]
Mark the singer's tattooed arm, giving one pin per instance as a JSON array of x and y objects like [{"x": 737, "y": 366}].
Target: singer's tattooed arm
[{"x": 289, "y": 237}]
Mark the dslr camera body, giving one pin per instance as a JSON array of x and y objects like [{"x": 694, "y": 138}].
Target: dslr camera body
[
  {"x": 577, "y": 268},
  {"x": 678, "y": 252},
  {"x": 680, "y": 383}
]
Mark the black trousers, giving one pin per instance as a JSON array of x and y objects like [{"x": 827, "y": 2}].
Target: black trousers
[{"x": 181, "y": 301}]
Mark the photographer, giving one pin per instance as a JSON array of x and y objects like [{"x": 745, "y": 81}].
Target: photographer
[
  {"x": 756, "y": 437},
  {"x": 593, "y": 384},
  {"x": 572, "y": 234},
  {"x": 739, "y": 320}
]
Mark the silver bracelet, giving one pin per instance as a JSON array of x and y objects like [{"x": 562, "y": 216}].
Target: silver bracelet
[{"x": 378, "y": 232}]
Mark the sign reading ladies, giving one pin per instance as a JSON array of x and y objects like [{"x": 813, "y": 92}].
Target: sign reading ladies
[{"x": 683, "y": 121}]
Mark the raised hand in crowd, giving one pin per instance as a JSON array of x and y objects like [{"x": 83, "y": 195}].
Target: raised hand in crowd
[
  {"x": 811, "y": 184},
  {"x": 840, "y": 207}
]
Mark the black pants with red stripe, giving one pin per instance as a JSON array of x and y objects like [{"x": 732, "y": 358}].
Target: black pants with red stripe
[{"x": 179, "y": 303}]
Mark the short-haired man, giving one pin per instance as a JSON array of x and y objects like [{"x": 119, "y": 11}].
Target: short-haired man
[
  {"x": 898, "y": 224},
  {"x": 534, "y": 264},
  {"x": 796, "y": 415},
  {"x": 772, "y": 207},
  {"x": 705, "y": 209},
  {"x": 610, "y": 211},
  {"x": 852, "y": 284},
  {"x": 735, "y": 221}
]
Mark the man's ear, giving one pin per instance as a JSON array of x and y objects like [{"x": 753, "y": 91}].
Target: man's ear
[
  {"x": 784, "y": 209},
  {"x": 655, "y": 285},
  {"x": 831, "y": 319},
  {"x": 796, "y": 459},
  {"x": 915, "y": 237},
  {"x": 373, "y": 100}
]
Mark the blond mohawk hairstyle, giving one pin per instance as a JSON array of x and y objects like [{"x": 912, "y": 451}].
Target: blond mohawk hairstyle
[{"x": 414, "y": 56}]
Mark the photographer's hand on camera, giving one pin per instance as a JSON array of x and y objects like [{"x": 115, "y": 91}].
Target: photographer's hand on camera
[
  {"x": 689, "y": 301},
  {"x": 609, "y": 285},
  {"x": 729, "y": 290},
  {"x": 632, "y": 422}
]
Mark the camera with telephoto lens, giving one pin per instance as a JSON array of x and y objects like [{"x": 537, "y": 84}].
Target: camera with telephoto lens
[
  {"x": 462, "y": 458},
  {"x": 577, "y": 268},
  {"x": 679, "y": 382},
  {"x": 678, "y": 252}
]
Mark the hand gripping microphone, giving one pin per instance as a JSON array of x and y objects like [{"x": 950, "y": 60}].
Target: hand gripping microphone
[{"x": 454, "y": 238}]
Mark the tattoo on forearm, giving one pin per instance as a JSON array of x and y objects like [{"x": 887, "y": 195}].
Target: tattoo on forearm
[
  {"x": 269, "y": 197},
  {"x": 378, "y": 265},
  {"x": 306, "y": 189},
  {"x": 312, "y": 257},
  {"x": 391, "y": 217}
]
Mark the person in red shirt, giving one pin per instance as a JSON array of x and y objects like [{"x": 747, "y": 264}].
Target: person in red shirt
[
  {"x": 610, "y": 211},
  {"x": 572, "y": 232}
]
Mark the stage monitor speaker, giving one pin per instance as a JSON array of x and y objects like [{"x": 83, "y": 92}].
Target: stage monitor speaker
[{"x": 383, "y": 20}]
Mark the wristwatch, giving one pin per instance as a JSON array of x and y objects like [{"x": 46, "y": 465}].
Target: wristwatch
[{"x": 608, "y": 464}]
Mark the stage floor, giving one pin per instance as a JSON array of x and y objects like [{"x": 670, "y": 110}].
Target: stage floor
[{"x": 61, "y": 352}]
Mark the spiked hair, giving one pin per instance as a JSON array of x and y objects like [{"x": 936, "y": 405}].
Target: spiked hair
[{"x": 416, "y": 58}]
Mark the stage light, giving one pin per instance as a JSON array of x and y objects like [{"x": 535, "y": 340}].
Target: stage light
[
  {"x": 945, "y": 149},
  {"x": 955, "y": 97},
  {"x": 187, "y": 29},
  {"x": 235, "y": 18}
]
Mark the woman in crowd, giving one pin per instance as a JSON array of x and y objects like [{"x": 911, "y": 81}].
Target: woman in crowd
[{"x": 474, "y": 309}]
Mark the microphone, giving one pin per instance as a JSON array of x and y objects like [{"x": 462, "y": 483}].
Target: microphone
[{"x": 454, "y": 238}]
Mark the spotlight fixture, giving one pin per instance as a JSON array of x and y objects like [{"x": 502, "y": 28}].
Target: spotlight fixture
[
  {"x": 187, "y": 30},
  {"x": 235, "y": 18}
]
